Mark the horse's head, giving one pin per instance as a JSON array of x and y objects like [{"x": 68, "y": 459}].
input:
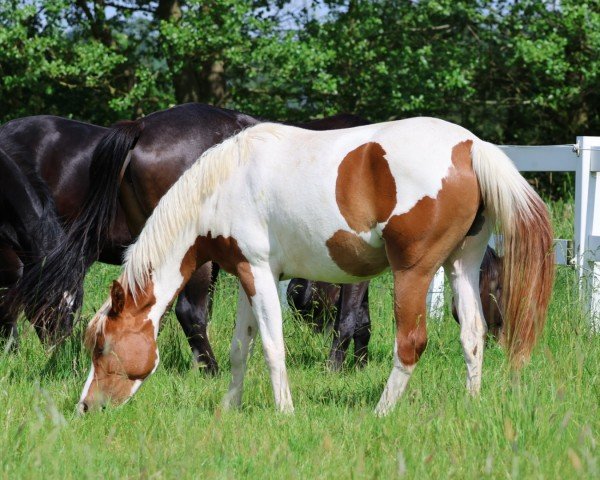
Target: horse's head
[{"x": 121, "y": 339}]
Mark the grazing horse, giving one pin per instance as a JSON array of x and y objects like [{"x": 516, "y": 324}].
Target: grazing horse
[
  {"x": 105, "y": 183},
  {"x": 342, "y": 206},
  {"x": 29, "y": 227}
]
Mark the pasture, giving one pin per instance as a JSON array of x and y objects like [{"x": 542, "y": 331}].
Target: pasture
[{"x": 541, "y": 422}]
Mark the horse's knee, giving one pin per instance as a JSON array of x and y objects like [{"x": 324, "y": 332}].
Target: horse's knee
[{"x": 411, "y": 345}]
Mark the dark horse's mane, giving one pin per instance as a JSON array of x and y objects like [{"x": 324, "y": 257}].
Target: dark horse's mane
[{"x": 31, "y": 224}]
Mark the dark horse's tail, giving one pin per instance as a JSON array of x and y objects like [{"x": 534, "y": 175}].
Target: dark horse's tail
[{"x": 52, "y": 289}]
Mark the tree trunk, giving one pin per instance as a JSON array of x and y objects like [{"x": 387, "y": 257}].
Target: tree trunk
[{"x": 192, "y": 84}]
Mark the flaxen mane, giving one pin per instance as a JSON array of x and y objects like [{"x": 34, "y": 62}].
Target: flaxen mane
[{"x": 96, "y": 326}]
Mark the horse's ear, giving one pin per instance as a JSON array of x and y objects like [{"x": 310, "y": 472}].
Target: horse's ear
[{"x": 117, "y": 296}]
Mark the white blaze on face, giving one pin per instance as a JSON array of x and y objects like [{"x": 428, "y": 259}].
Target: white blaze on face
[
  {"x": 86, "y": 389},
  {"x": 137, "y": 384}
]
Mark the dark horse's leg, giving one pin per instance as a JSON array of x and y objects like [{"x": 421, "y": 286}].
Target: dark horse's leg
[
  {"x": 362, "y": 329},
  {"x": 352, "y": 321},
  {"x": 300, "y": 295},
  {"x": 193, "y": 310},
  {"x": 10, "y": 271}
]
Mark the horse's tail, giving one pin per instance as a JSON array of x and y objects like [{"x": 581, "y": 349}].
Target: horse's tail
[
  {"x": 59, "y": 276},
  {"x": 34, "y": 214},
  {"x": 92, "y": 225},
  {"x": 528, "y": 264}
]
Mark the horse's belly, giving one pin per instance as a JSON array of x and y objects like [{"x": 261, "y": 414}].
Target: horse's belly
[{"x": 342, "y": 257}]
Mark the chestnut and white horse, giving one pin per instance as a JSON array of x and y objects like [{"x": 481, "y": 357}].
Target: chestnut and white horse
[{"x": 277, "y": 202}]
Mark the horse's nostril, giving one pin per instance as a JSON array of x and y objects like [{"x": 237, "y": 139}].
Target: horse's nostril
[{"x": 82, "y": 407}]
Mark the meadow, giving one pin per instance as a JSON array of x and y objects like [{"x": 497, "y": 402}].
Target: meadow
[{"x": 540, "y": 422}]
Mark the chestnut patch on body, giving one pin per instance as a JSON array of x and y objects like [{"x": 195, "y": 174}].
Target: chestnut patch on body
[
  {"x": 428, "y": 227},
  {"x": 365, "y": 192},
  {"x": 365, "y": 188},
  {"x": 224, "y": 251},
  {"x": 418, "y": 241},
  {"x": 355, "y": 256}
]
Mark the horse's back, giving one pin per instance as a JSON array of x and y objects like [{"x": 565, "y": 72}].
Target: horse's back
[
  {"x": 54, "y": 151},
  {"x": 173, "y": 140},
  {"x": 329, "y": 196}
]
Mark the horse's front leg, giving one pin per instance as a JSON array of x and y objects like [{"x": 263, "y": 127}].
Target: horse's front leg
[
  {"x": 193, "y": 310},
  {"x": 266, "y": 308},
  {"x": 243, "y": 339}
]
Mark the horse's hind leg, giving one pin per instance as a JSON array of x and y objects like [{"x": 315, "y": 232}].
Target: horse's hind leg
[
  {"x": 192, "y": 311},
  {"x": 344, "y": 326},
  {"x": 350, "y": 317},
  {"x": 410, "y": 292},
  {"x": 362, "y": 330},
  {"x": 462, "y": 269},
  {"x": 9, "y": 334}
]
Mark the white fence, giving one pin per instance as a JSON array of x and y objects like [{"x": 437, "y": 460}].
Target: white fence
[{"x": 583, "y": 158}]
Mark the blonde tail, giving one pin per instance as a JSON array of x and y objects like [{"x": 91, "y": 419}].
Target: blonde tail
[{"x": 528, "y": 261}]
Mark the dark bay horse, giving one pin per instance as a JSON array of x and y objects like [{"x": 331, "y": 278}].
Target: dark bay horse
[
  {"x": 57, "y": 153},
  {"x": 29, "y": 227},
  {"x": 60, "y": 153}
]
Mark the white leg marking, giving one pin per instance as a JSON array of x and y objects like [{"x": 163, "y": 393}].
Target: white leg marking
[
  {"x": 242, "y": 342},
  {"x": 267, "y": 311},
  {"x": 462, "y": 269},
  {"x": 395, "y": 386}
]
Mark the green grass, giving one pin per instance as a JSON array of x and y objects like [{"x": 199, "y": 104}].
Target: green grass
[{"x": 542, "y": 422}]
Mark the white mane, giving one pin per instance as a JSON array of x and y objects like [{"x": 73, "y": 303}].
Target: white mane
[{"x": 180, "y": 207}]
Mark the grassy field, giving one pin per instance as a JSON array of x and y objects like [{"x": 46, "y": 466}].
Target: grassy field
[{"x": 542, "y": 422}]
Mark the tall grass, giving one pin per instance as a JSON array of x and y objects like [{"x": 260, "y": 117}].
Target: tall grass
[{"x": 541, "y": 422}]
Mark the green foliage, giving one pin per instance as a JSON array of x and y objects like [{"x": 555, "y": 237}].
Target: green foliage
[
  {"x": 513, "y": 72},
  {"x": 46, "y": 68}
]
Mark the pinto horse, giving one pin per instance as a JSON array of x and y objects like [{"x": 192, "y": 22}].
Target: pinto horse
[
  {"x": 342, "y": 206},
  {"x": 105, "y": 183}
]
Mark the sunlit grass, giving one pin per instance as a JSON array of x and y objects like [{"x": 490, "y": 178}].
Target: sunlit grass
[{"x": 542, "y": 422}]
